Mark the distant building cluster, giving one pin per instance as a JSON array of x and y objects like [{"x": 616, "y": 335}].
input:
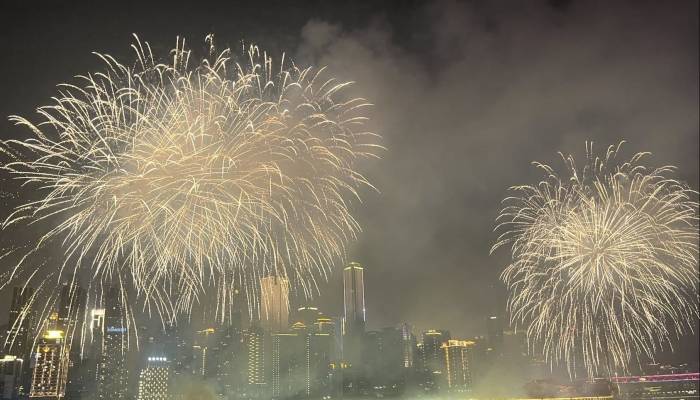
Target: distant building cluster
[{"x": 286, "y": 353}]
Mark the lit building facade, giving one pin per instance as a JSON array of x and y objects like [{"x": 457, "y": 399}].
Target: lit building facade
[
  {"x": 287, "y": 372},
  {"x": 274, "y": 299},
  {"x": 111, "y": 371},
  {"x": 50, "y": 372},
  {"x": 94, "y": 347},
  {"x": 408, "y": 345},
  {"x": 458, "y": 368},
  {"x": 203, "y": 363},
  {"x": 255, "y": 347},
  {"x": 154, "y": 380},
  {"x": 318, "y": 356},
  {"x": 354, "y": 298},
  {"x": 354, "y": 326},
  {"x": 433, "y": 356},
  {"x": 71, "y": 309},
  {"x": 11, "y": 368}
]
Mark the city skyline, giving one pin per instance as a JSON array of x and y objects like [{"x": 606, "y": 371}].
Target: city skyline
[
  {"x": 326, "y": 199},
  {"x": 300, "y": 359}
]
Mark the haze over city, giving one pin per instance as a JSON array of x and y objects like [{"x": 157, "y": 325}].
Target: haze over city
[{"x": 247, "y": 209}]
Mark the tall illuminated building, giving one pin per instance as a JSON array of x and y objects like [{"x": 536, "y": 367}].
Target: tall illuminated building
[
  {"x": 433, "y": 355},
  {"x": 408, "y": 345},
  {"x": 50, "y": 372},
  {"x": 274, "y": 307},
  {"x": 354, "y": 326},
  {"x": 18, "y": 341},
  {"x": 287, "y": 362},
  {"x": 203, "y": 363},
  {"x": 255, "y": 347},
  {"x": 97, "y": 331},
  {"x": 318, "y": 350},
  {"x": 354, "y": 298},
  {"x": 94, "y": 347},
  {"x": 154, "y": 379},
  {"x": 111, "y": 371},
  {"x": 10, "y": 377},
  {"x": 458, "y": 368},
  {"x": 71, "y": 310}
]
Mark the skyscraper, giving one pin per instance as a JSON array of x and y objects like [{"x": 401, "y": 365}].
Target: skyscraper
[
  {"x": 319, "y": 352},
  {"x": 18, "y": 343},
  {"x": 383, "y": 360},
  {"x": 274, "y": 299},
  {"x": 287, "y": 362},
  {"x": 154, "y": 379},
  {"x": 255, "y": 346},
  {"x": 94, "y": 348},
  {"x": 458, "y": 368},
  {"x": 112, "y": 373},
  {"x": 50, "y": 372},
  {"x": 433, "y": 356},
  {"x": 203, "y": 363},
  {"x": 230, "y": 358},
  {"x": 408, "y": 344},
  {"x": 71, "y": 307},
  {"x": 354, "y": 297},
  {"x": 10, "y": 377},
  {"x": 97, "y": 321}
]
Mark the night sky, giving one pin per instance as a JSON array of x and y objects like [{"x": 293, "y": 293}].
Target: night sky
[{"x": 465, "y": 94}]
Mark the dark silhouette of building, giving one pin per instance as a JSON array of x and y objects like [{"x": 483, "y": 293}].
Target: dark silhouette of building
[
  {"x": 18, "y": 340},
  {"x": 11, "y": 368},
  {"x": 19, "y": 324}
]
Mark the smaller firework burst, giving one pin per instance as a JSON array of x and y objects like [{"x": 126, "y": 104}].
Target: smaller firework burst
[{"x": 604, "y": 263}]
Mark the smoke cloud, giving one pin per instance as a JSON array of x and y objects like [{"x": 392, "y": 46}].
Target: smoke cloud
[{"x": 466, "y": 96}]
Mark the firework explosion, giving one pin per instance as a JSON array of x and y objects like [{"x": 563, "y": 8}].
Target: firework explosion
[
  {"x": 604, "y": 261},
  {"x": 178, "y": 180}
]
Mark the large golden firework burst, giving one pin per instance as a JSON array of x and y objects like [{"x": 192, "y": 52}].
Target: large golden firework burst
[{"x": 176, "y": 178}]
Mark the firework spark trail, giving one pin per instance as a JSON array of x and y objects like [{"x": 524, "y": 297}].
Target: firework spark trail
[
  {"x": 174, "y": 178},
  {"x": 604, "y": 263}
]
